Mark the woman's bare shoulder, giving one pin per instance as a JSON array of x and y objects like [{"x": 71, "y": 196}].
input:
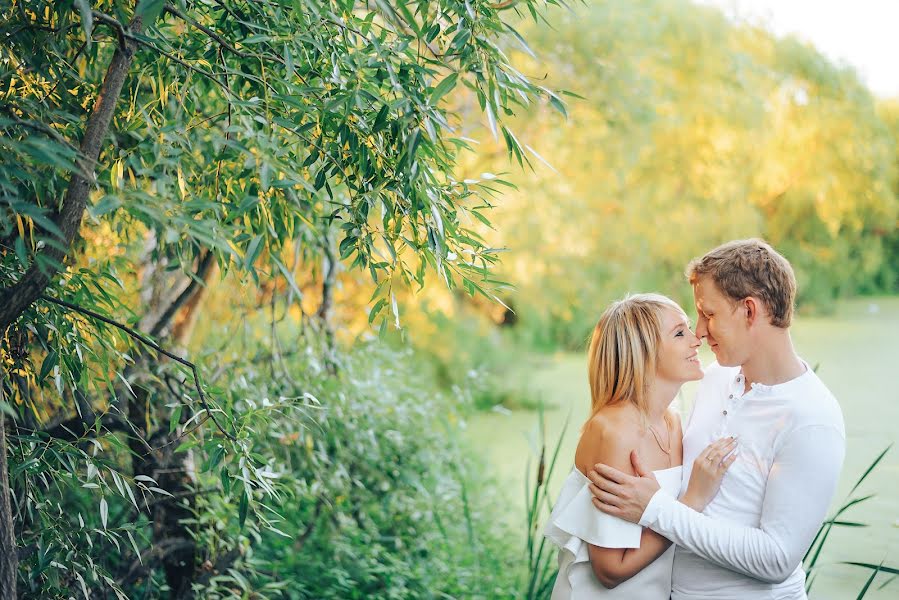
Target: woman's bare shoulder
[{"x": 608, "y": 437}]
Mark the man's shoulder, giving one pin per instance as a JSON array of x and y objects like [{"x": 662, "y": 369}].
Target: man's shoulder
[{"x": 815, "y": 404}]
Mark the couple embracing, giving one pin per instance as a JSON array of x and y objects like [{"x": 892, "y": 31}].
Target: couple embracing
[{"x": 727, "y": 506}]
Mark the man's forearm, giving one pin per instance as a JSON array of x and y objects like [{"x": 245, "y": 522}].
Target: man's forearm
[
  {"x": 799, "y": 487},
  {"x": 747, "y": 550}
]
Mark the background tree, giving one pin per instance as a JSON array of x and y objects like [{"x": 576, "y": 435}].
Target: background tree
[
  {"x": 150, "y": 148},
  {"x": 693, "y": 130}
]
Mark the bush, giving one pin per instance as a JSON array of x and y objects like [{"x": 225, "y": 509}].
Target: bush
[{"x": 378, "y": 496}]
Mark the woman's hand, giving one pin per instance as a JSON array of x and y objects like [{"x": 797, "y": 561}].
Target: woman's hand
[{"x": 708, "y": 471}]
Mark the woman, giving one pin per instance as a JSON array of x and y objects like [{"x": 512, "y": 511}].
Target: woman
[{"x": 641, "y": 352}]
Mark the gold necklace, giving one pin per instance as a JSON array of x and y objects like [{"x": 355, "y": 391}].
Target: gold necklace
[{"x": 655, "y": 435}]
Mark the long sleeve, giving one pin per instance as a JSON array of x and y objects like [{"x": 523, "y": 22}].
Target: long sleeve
[{"x": 799, "y": 489}]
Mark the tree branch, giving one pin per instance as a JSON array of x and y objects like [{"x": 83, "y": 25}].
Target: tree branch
[
  {"x": 35, "y": 126},
  {"x": 184, "y": 64},
  {"x": 79, "y": 426},
  {"x": 221, "y": 41},
  {"x": 114, "y": 23},
  {"x": 203, "y": 269},
  {"x": 148, "y": 342}
]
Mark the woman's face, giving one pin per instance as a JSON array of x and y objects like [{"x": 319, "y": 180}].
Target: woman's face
[{"x": 679, "y": 349}]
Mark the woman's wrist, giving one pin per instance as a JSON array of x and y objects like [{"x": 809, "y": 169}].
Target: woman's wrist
[{"x": 691, "y": 501}]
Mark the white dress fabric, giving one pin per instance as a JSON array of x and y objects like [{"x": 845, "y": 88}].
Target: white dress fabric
[{"x": 575, "y": 522}]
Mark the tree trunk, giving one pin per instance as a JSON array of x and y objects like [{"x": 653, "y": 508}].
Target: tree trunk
[
  {"x": 8, "y": 555},
  {"x": 15, "y": 299},
  {"x": 329, "y": 278},
  {"x": 173, "y": 472}
]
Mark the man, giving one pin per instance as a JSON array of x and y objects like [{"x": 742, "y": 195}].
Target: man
[{"x": 750, "y": 540}]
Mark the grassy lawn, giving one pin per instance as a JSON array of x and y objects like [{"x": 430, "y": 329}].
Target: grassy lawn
[{"x": 857, "y": 350}]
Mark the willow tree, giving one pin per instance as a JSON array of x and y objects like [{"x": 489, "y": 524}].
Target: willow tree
[{"x": 189, "y": 138}]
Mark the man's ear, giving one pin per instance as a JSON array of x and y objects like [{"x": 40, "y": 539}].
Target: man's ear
[{"x": 752, "y": 307}]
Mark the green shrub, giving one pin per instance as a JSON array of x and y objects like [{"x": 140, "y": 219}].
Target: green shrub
[{"x": 377, "y": 495}]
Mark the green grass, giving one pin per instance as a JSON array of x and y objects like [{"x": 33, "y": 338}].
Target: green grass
[{"x": 857, "y": 349}]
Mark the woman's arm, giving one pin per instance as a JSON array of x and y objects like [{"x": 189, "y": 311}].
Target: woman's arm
[
  {"x": 614, "y": 566},
  {"x": 605, "y": 442}
]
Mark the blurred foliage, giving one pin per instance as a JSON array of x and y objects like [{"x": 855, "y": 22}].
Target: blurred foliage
[
  {"x": 371, "y": 494},
  {"x": 395, "y": 502},
  {"x": 693, "y": 130}
]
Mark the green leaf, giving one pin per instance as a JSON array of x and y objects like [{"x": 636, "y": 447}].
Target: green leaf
[
  {"x": 377, "y": 308},
  {"x": 226, "y": 480},
  {"x": 149, "y": 10},
  {"x": 21, "y": 252},
  {"x": 557, "y": 103},
  {"x": 6, "y": 409},
  {"x": 104, "y": 511},
  {"x": 51, "y": 360},
  {"x": 106, "y": 204},
  {"x": 216, "y": 457},
  {"x": 870, "y": 468},
  {"x": 320, "y": 179},
  {"x": 880, "y": 567},
  {"x": 242, "y": 509},
  {"x": 347, "y": 245},
  {"x": 253, "y": 251},
  {"x": 870, "y": 580},
  {"x": 443, "y": 88},
  {"x": 176, "y": 418},
  {"x": 87, "y": 18},
  {"x": 381, "y": 119}
]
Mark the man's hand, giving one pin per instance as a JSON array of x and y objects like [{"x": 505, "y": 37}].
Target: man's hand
[{"x": 622, "y": 495}]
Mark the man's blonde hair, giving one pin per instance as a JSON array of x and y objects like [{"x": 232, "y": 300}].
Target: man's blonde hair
[
  {"x": 744, "y": 268},
  {"x": 624, "y": 349}
]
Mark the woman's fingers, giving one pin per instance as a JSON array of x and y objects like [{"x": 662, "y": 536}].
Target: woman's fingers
[
  {"x": 725, "y": 447},
  {"x": 711, "y": 456},
  {"x": 727, "y": 462}
]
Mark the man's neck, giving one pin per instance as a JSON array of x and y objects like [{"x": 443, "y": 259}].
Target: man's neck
[{"x": 773, "y": 360}]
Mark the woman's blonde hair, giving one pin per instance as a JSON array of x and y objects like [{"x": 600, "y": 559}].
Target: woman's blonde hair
[{"x": 624, "y": 350}]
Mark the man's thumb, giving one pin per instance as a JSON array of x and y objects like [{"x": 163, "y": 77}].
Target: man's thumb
[{"x": 638, "y": 465}]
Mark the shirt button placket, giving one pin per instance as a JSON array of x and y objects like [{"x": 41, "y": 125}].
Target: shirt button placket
[{"x": 730, "y": 399}]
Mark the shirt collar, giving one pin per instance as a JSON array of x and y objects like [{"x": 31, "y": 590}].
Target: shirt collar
[{"x": 762, "y": 389}]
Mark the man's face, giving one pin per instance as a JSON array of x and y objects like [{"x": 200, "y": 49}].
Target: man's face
[{"x": 722, "y": 323}]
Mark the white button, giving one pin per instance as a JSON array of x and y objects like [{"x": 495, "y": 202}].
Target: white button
[
  {"x": 725, "y": 413},
  {"x": 731, "y": 396}
]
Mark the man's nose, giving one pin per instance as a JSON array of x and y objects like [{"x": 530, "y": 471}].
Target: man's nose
[{"x": 701, "y": 329}]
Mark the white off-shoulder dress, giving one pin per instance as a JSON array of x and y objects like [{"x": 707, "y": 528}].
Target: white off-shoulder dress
[{"x": 575, "y": 522}]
